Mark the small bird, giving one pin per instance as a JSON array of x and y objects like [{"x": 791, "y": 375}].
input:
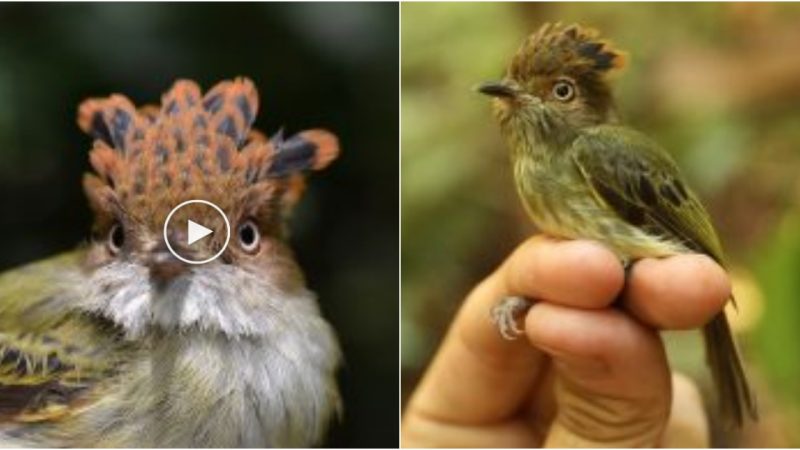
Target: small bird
[
  {"x": 120, "y": 344},
  {"x": 582, "y": 175}
]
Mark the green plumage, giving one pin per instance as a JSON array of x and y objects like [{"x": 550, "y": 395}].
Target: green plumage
[
  {"x": 639, "y": 181},
  {"x": 49, "y": 352}
]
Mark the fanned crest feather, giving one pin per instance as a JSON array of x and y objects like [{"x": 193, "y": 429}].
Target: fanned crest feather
[
  {"x": 195, "y": 146},
  {"x": 572, "y": 49}
]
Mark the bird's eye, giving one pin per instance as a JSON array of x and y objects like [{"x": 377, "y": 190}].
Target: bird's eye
[
  {"x": 563, "y": 90},
  {"x": 249, "y": 237},
  {"x": 116, "y": 238}
]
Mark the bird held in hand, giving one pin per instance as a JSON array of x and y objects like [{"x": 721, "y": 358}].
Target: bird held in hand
[
  {"x": 583, "y": 175},
  {"x": 121, "y": 344}
]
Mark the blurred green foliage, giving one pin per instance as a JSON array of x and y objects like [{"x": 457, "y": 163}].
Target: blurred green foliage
[
  {"x": 715, "y": 83},
  {"x": 315, "y": 65}
]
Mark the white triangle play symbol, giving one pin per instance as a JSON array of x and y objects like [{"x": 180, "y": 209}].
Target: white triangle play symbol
[{"x": 196, "y": 232}]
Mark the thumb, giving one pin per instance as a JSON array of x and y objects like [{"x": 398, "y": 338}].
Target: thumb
[{"x": 612, "y": 379}]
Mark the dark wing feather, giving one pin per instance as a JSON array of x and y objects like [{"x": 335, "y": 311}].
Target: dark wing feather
[
  {"x": 49, "y": 352},
  {"x": 642, "y": 184}
]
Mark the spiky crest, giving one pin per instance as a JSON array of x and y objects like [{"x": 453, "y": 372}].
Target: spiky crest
[
  {"x": 194, "y": 146},
  {"x": 573, "y": 49}
]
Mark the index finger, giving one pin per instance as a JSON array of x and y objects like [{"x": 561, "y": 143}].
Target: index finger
[{"x": 477, "y": 376}]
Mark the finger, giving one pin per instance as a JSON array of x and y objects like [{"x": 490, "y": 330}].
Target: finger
[
  {"x": 582, "y": 274},
  {"x": 688, "y": 424},
  {"x": 477, "y": 375},
  {"x": 613, "y": 382},
  {"x": 679, "y": 292}
]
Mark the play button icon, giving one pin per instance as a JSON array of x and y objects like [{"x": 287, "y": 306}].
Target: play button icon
[{"x": 197, "y": 231}]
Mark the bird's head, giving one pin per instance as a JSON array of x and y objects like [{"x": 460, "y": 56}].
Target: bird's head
[
  {"x": 556, "y": 82},
  {"x": 193, "y": 146}
]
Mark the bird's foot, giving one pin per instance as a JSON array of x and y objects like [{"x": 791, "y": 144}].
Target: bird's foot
[{"x": 507, "y": 312}]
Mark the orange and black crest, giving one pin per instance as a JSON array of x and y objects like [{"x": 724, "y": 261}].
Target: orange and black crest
[
  {"x": 573, "y": 50},
  {"x": 195, "y": 146}
]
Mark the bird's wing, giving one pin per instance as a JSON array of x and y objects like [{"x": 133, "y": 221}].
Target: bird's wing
[
  {"x": 50, "y": 353},
  {"x": 639, "y": 181}
]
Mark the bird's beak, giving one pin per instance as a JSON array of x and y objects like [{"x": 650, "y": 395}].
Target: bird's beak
[
  {"x": 164, "y": 266},
  {"x": 498, "y": 89}
]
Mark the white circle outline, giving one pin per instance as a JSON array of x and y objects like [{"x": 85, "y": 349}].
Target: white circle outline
[{"x": 227, "y": 229}]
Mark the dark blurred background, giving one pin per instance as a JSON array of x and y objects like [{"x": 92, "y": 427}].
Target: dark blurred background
[
  {"x": 717, "y": 84},
  {"x": 328, "y": 65}
]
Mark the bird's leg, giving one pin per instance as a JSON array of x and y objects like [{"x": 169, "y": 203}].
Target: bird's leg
[
  {"x": 507, "y": 312},
  {"x": 627, "y": 265}
]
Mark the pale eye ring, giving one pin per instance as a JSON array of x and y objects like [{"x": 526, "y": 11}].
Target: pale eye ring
[
  {"x": 249, "y": 237},
  {"x": 116, "y": 238},
  {"x": 563, "y": 90}
]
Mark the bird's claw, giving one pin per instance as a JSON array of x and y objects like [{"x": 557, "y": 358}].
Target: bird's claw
[{"x": 506, "y": 313}]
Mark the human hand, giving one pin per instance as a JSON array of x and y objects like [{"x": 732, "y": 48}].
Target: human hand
[{"x": 588, "y": 374}]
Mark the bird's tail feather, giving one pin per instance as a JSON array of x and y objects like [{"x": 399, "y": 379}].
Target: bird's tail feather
[{"x": 735, "y": 398}]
